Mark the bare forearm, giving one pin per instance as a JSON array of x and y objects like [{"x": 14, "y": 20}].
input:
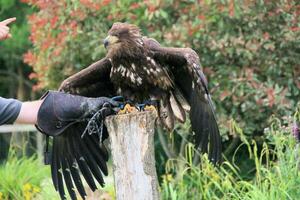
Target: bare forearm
[{"x": 28, "y": 112}]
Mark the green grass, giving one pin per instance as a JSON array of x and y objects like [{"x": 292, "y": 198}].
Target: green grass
[
  {"x": 276, "y": 173},
  {"x": 21, "y": 178}
]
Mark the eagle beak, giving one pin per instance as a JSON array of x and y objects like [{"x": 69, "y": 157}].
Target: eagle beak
[
  {"x": 106, "y": 42},
  {"x": 109, "y": 40}
]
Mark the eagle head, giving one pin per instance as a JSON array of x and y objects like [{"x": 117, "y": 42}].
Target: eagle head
[{"x": 123, "y": 39}]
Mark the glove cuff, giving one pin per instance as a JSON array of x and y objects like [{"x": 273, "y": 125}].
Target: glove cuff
[{"x": 59, "y": 111}]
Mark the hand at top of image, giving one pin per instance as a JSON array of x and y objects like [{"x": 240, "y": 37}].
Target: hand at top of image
[{"x": 4, "y": 29}]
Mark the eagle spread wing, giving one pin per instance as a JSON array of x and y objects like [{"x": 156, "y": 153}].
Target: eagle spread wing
[
  {"x": 139, "y": 68},
  {"x": 184, "y": 66},
  {"x": 72, "y": 154}
]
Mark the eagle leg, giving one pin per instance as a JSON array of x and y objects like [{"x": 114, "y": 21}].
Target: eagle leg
[{"x": 126, "y": 106}]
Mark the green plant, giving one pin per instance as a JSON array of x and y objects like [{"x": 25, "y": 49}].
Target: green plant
[
  {"x": 21, "y": 178},
  {"x": 249, "y": 51},
  {"x": 276, "y": 177}
]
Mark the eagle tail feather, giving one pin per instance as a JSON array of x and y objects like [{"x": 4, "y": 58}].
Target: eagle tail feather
[
  {"x": 177, "y": 109},
  {"x": 166, "y": 114},
  {"x": 205, "y": 126}
]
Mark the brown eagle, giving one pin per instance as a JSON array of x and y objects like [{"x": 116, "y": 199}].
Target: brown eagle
[{"x": 139, "y": 69}]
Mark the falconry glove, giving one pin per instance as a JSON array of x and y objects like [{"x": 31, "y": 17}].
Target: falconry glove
[{"x": 60, "y": 110}]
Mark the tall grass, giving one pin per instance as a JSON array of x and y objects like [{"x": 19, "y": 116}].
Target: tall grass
[
  {"x": 21, "y": 178},
  {"x": 276, "y": 172}
]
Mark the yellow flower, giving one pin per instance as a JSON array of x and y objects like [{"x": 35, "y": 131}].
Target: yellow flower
[
  {"x": 1, "y": 195},
  {"x": 167, "y": 177},
  {"x": 36, "y": 189},
  {"x": 27, "y": 187},
  {"x": 29, "y": 191}
]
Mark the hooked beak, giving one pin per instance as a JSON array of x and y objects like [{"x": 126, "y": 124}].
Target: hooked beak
[
  {"x": 109, "y": 40},
  {"x": 106, "y": 42}
]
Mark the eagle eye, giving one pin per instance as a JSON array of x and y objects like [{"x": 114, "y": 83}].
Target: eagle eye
[{"x": 122, "y": 33}]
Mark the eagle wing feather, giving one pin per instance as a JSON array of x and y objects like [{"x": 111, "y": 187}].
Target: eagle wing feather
[
  {"x": 73, "y": 155},
  {"x": 185, "y": 67}
]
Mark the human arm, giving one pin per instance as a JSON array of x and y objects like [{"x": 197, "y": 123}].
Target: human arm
[
  {"x": 9, "y": 110},
  {"x": 4, "y": 29},
  {"x": 28, "y": 112},
  {"x": 15, "y": 111},
  {"x": 65, "y": 105}
]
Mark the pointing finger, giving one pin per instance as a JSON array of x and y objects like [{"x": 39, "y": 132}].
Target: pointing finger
[{"x": 8, "y": 21}]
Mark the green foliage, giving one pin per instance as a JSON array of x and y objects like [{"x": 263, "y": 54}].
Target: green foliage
[
  {"x": 276, "y": 177},
  {"x": 249, "y": 51},
  {"x": 21, "y": 178},
  {"x": 12, "y": 68}
]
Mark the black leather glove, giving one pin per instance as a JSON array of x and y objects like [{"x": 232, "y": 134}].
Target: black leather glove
[{"x": 60, "y": 110}]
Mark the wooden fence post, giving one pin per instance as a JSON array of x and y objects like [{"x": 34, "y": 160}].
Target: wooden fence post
[{"x": 132, "y": 147}]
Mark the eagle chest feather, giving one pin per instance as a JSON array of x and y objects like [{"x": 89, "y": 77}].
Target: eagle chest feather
[{"x": 140, "y": 74}]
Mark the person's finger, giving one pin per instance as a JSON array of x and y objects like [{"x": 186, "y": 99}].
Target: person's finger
[
  {"x": 8, "y": 21},
  {"x": 9, "y": 36}
]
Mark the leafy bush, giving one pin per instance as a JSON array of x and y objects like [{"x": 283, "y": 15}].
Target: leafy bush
[
  {"x": 13, "y": 71},
  {"x": 21, "y": 178},
  {"x": 249, "y": 51}
]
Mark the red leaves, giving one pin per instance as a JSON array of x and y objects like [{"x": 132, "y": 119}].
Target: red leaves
[
  {"x": 134, "y": 6},
  {"x": 151, "y": 8},
  {"x": 32, "y": 76},
  {"x": 53, "y": 21},
  {"x": 78, "y": 14},
  {"x": 224, "y": 94},
  {"x": 266, "y": 35},
  {"x": 29, "y": 58},
  {"x": 271, "y": 96},
  {"x": 201, "y": 17},
  {"x": 106, "y": 2},
  {"x": 91, "y": 5},
  {"x": 231, "y": 8},
  {"x": 295, "y": 28}
]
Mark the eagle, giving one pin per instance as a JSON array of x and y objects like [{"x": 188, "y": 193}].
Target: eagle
[{"x": 139, "y": 69}]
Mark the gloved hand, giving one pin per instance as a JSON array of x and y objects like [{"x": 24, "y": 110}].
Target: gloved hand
[{"x": 60, "y": 110}]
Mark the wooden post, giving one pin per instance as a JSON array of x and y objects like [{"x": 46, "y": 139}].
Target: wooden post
[{"x": 132, "y": 147}]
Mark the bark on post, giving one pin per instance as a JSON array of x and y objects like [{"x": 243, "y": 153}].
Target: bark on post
[{"x": 132, "y": 146}]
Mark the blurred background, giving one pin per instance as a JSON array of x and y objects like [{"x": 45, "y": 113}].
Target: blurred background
[{"x": 250, "y": 53}]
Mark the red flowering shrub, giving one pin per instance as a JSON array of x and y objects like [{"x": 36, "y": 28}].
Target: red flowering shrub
[{"x": 250, "y": 51}]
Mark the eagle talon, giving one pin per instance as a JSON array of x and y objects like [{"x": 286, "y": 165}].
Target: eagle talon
[
  {"x": 128, "y": 108},
  {"x": 150, "y": 108},
  {"x": 150, "y": 105}
]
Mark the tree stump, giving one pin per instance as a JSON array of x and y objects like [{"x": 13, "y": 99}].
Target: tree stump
[{"x": 132, "y": 147}]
